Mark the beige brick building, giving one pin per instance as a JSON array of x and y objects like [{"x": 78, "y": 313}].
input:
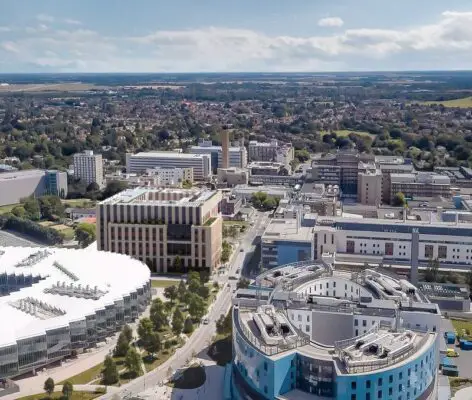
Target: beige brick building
[{"x": 168, "y": 229}]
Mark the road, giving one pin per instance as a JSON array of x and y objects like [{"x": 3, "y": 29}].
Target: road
[{"x": 201, "y": 338}]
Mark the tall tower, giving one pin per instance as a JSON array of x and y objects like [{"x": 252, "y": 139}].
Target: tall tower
[{"x": 224, "y": 149}]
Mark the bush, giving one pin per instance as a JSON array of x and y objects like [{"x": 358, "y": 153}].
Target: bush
[
  {"x": 188, "y": 326},
  {"x": 41, "y": 233}
]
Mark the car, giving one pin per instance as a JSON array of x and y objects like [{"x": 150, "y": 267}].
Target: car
[
  {"x": 205, "y": 321},
  {"x": 233, "y": 278},
  {"x": 452, "y": 353},
  {"x": 238, "y": 270},
  {"x": 241, "y": 250}
]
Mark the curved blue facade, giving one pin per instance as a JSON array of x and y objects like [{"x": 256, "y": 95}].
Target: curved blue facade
[{"x": 260, "y": 376}]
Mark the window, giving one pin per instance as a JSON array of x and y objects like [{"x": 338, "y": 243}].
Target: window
[
  {"x": 265, "y": 389},
  {"x": 379, "y": 394},
  {"x": 442, "y": 251},
  {"x": 334, "y": 284},
  {"x": 307, "y": 318},
  {"x": 356, "y": 322},
  {"x": 428, "y": 250},
  {"x": 265, "y": 365},
  {"x": 353, "y": 397},
  {"x": 367, "y": 396},
  {"x": 390, "y": 379},
  {"x": 367, "y": 384},
  {"x": 409, "y": 371},
  {"x": 390, "y": 391},
  {"x": 364, "y": 322},
  {"x": 353, "y": 385},
  {"x": 380, "y": 381},
  {"x": 400, "y": 375}
]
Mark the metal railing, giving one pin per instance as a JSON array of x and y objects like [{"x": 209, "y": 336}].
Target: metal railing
[{"x": 270, "y": 350}]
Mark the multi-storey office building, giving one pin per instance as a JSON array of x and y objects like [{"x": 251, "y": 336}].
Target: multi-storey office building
[
  {"x": 420, "y": 185},
  {"x": 88, "y": 167},
  {"x": 165, "y": 228},
  {"x": 201, "y": 163},
  {"x": 237, "y": 154},
  {"x": 369, "y": 185},
  {"x": 310, "y": 331},
  {"x": 59, "y": 300},
  {"x": 17, "y": 185},
  {"x": 271, "y": 151}
]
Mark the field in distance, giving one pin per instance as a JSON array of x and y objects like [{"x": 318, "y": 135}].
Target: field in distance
[
  {"x": 466, "y": 102},
  {"x": 346, "y": 132}
]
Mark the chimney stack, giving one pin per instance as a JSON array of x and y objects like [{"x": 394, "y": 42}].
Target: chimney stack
[{"x": 224, "y": 149}]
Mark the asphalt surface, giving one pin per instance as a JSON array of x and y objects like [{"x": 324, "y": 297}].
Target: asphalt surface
[{"x": 201, "y": 338}]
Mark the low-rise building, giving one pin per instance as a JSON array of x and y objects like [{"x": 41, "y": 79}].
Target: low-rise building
[
  {"x": 168, "y": 229},
  {"x": 271, "y": 151},
  {"x": 286, "y": 241},
  {"x": 245, "y": 192},
  {"x": 422, "y": 184},
  {"x": 230, "y": 207},
  {"x": 268, "y": 168},
  {"x": 17, "y": 185},
  {"x": 231, "y": 177}
]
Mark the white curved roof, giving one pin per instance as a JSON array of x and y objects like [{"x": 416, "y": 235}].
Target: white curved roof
[{"x": 113, "y": 274}]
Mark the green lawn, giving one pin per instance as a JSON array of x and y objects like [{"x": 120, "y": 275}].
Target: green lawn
[
  {"x": 163, "y": 283},
  {"x": 460, "y": 103},
  {"x": 69, "y": 233},
  {"x": 191, "y": 378},
  {"x": 90, "y": 374},
  {"x": 346, "y": 132},
  {"x": 79, "y": 203},
  {"x": 7, "y": 209},
  {"x": 461, "y": 326},
  {"x": 58, "y": 396}
]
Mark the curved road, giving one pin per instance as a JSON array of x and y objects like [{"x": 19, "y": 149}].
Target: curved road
[{"x": 202, "y": 336}]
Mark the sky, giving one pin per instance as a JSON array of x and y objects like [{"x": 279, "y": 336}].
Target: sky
[{"x": 234, "y": 35}]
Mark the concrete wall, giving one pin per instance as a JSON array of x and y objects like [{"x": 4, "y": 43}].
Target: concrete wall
[{"x": 12, "y": 190}]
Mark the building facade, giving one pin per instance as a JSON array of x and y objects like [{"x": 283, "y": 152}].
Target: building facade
[
  {"x": 273, "y": 151},
  {"x": 168, "y": 229},
  {"x": 200, "y": 163},
  {"x": 333, "y": 335},
  {"x": 237, "y": 154},
  {"x": 420, "y": 185},
  {"x": 70, "y": 300},
  {"x": 17, "y": 185},
  {"x": 88, "y": 167},
  {"x": 369, "y": 186}
]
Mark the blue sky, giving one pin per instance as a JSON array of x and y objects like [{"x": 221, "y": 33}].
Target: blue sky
[{"x": 228, "y": 35}]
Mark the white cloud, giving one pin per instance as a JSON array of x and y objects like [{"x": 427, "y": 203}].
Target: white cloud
[
  {"x": 9, "y": 47},
  {"x": 331, "y": 22},
  {"x": 442, "y": 45},
  {"x": 45, "y": 18},
  {"x": 72, "y": 21},
  {"x": 5, "y": 29}
]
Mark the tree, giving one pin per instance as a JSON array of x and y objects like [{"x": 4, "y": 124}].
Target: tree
[
  {"x": 133, "y": 362},
  {"x": 193, "y": 282},
  {"x": 110, "y": 371},
  {"x": 196, "y": 307},
  {"x": 225, "y": 252},
  {"x": 203, "y": 291},
  {"x": 399, "y": 200},
  {"x": 51, "y": 207},
  {"x": 85, "y": 234},
  {"x": 19, "y": 211},
  {"x": 114, "y": 187},
  {"x": 269, "y": 203},
  {"x": 31, "y": 207},
  {"x": 122, "y": 345},
  {"x": 181, "y": 291},
  {"x": 177, "y": 322},
  {"x": 128, "y": 332},
  {"x": 186, "y": 184},
  {"x": 188, "y": 326},
  {"x": 158, "y": 314},
  {"x": 177, "y": 263},
  {"x": 145, "y": 329},
  {"x": 302, "y": 155},
  {"x": 153, "y": 343},
  {"x": 170, "y": 293},
  {"x": 243, "y": 283},
  {"x": 432, "y": 271},
  {"x": 93, "y": 187},
  {"x": 49, "y": 386},
  {"x": 224, "y": 325},
  {"x": 67, "y": 390}
]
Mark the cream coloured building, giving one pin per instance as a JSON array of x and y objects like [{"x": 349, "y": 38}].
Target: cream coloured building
[
  {"x": 168, "y": 229},
  {"x": 88, "y": 167}
]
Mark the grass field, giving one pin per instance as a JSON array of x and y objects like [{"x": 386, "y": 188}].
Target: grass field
[
  {"x": 80, "y": 203},
  {"x": 345, "y": 133},
  {"x": 157, "y": 283},
  {"x": 58, "y": 396},
  {"x": 459, "y": 103},
  {"x": 7, "y": 209},
  {"x": 461, "y": 326}
]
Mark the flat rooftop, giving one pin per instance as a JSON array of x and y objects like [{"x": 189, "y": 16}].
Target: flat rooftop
[
  {"x": 182, "y": 197},
  {"x": 167, "y": 154},
  {"x": 28, "y": 173},
  {"x": 288, "y": 229}
]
